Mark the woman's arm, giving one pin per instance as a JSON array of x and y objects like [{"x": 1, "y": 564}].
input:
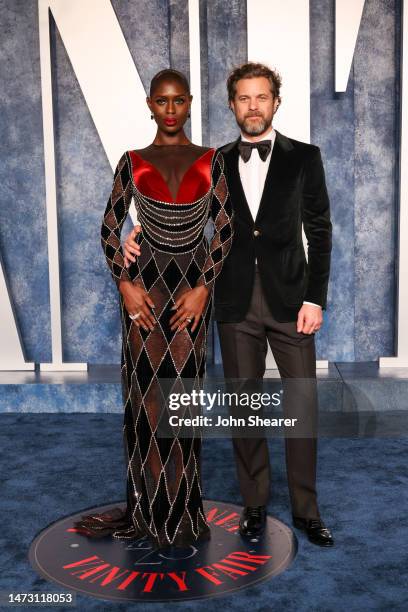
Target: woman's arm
[
  {"x": 116, "y": 212},
  {"x": 222, "y": 216},
  {"x": 136, "y": 299}
]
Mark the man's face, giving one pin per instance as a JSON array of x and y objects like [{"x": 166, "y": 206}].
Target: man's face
[{"x": 254, "y": 105}]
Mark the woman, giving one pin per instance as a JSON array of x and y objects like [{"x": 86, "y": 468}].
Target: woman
[{"x": 165, "y": 298}]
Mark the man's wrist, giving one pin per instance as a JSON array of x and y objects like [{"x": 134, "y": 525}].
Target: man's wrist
[
  {"x": 312, "y": 304},
  {"x": 204, "y": 288}
]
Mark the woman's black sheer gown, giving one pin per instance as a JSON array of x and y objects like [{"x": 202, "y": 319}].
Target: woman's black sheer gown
[{"x": 176, "y": 189}]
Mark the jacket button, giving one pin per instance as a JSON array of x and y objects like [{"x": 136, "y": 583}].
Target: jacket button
[{"x": 257, "y": 233}]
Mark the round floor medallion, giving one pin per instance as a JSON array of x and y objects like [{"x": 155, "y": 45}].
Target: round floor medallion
[{"x": 120, "y": 570}]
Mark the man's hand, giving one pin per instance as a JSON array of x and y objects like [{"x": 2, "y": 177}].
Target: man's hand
[
  {"x": 189, "y": 308},
  {"x": 310, "y": 319},
  {"x": 130, "y": 247}
]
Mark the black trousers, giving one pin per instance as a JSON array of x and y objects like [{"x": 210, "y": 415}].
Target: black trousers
[{"x": 244, "y": 349}]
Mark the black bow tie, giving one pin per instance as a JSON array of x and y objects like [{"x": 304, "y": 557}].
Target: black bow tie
[{"x": 245, "y": 149}]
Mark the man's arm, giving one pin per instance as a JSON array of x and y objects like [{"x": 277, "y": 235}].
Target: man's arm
[{"x": 318, "y": 229}]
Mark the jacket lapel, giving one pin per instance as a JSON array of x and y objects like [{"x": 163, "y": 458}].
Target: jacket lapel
[
  {"x": 239, "y": 201},
  {"x": 275, "y": 178},
  {"x": 276, "y": 171}
]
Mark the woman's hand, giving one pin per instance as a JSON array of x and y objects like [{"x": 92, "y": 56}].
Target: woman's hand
[
  {"x": 189, "y": 307},
  {"x": 130, "y": 246},
  {"x": 138, "y": 302}
]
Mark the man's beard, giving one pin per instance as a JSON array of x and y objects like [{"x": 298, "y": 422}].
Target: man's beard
[{"x": 254, "y": 128}]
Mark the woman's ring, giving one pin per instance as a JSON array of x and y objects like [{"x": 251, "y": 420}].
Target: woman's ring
[
  {"x": 135, "y": 316},
  {"x": 189, "y": 319}
]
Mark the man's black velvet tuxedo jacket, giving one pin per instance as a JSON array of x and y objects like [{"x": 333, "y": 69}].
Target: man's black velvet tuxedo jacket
[{"x": 294, "y": 192}]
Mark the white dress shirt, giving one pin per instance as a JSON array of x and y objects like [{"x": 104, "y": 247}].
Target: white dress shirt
[{"x": 253, "y": 175}]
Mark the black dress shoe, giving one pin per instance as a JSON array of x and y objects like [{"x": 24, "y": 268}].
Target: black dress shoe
[
  {"x": 315, "y": 530},
  {"x": 253, "y": 520}
]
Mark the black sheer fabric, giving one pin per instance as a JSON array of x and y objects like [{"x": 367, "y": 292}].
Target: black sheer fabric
[{"x": 163, "y": 490}]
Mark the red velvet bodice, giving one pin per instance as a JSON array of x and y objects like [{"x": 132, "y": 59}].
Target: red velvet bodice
[{"x": 196, "y": 181}]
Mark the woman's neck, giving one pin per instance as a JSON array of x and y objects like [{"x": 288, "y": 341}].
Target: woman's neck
[{"x": 163, "y": 139}]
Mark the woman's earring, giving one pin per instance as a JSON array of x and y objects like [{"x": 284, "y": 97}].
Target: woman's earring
[
  {"x": 151, "y": 117},
  {"x": 189, "y": 115}
]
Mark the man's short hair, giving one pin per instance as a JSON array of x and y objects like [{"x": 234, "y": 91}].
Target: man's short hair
[{"x": 249, "y": 71}]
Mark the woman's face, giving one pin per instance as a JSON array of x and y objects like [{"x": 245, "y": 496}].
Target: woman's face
[{"x": 170, "y": 105}]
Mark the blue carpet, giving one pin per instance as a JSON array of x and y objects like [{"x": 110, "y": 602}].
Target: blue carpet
[{"x": 55, "y": 464}]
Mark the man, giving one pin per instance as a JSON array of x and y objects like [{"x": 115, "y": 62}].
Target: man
[{"x": 266, "y": 292}]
